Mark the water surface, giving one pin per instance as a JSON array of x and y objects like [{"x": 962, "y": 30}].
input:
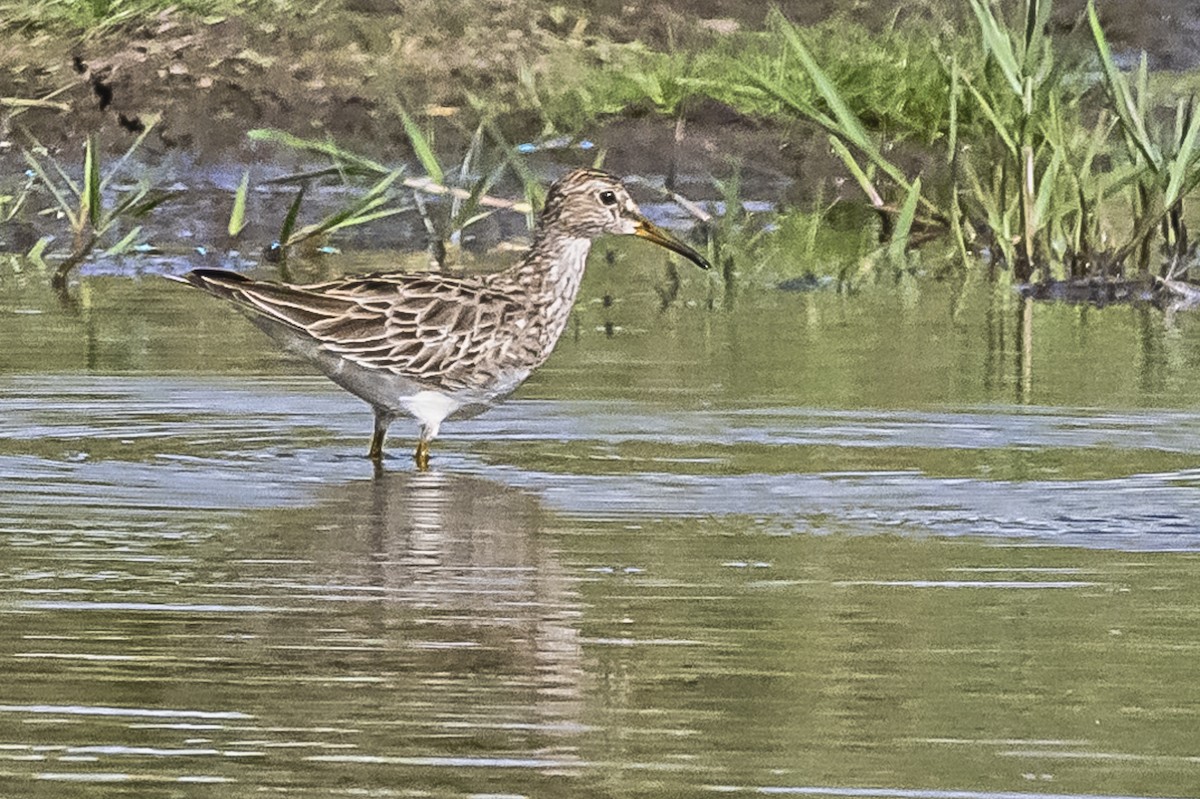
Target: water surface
[{"x": 938, "y": 545}]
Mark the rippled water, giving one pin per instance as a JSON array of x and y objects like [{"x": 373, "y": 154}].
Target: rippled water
[{"x": 940, "y": 546}]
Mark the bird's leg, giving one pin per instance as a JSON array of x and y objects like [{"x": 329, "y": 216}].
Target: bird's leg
[
  {"x": 421, "y": 456},
  {"x": 382, "y": 420},
  {"x": 429, "y": 431}
]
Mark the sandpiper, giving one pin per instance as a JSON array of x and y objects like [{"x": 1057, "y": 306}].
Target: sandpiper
[{"x": 437, "y": 347}]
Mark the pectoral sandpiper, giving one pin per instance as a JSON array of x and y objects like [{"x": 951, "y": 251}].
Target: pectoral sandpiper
[{"x": 436, "y": 347}]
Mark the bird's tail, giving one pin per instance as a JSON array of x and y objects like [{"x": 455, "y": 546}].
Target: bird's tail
[
  {"x": 295, "y": 307},
  {"x": 219, "y": 282}
]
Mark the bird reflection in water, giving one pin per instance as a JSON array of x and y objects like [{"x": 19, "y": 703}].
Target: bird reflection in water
[{"x": 460, "y": 585}]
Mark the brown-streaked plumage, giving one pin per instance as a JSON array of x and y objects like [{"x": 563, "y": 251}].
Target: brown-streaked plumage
[{"x": 436, "y": 347}]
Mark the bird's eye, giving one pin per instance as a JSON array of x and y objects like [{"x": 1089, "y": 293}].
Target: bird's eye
[{"x": 608, "y": 197}]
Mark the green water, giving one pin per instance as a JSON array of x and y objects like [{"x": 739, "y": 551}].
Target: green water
[{"x": 910, "y": 543}]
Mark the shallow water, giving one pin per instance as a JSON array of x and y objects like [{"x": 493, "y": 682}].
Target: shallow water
[{"x": 936, "y": 544}]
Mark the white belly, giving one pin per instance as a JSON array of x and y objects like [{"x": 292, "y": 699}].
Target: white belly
[{"x": 429, "y": 408}]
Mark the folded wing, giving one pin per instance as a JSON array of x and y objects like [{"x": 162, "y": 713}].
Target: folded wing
[{"x": 447, "y": 333}]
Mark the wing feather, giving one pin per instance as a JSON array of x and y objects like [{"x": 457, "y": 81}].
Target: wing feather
[{"x": 442, "y": 331}]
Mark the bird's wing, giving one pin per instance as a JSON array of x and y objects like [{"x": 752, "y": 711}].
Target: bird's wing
[{"x": 447, "y": 332}]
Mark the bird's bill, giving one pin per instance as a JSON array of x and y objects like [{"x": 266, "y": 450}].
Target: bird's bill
[{"x": 652, "y": 232}]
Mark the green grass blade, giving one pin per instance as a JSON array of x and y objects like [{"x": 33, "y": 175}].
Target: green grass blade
[
  {"x": 864, "y": 182},
  {"x": 474, "y": 151},
  {"x": 466, "y": 209},
  {"x": 848, "y": 122},
  {"x": 1132, "y": 120},
  {"x": 38, "y": 250},
  {"x": 1010, "y": 208},
  {"x": 354, "y": 161},
  {"x": 986, "y": 199},
  {"x": 845, "y": 122},
  {"x": 1045, "y": 190},
  {"x": 126, "y": 242},
  {"x": 1118, "y": 180},
  {"x": 422, "y": 147},
  {"x": 849, "y": 125},
  {"x": 13, "y": 204},
  {"x": 89, "y": 198},
  {"x": 1099, "y": 136},
  {"x": 237, "y": 216},
  {"x": 289, "y": 221},
  {"x": 958, "y": 232},
  {"x": 306, "y": 176},
  {"x": 336, "y": 222},
  {"x": 135, "y": 205},
  {"x": 1142, "y": 81},
  {"x": 796, "y": 103},
  {"x": 1028, "y": 190},
  {"x": 120, "y": 162},
  {"x": 997, "y": 42},
  {"x": 479, "y": 217},
  {"x": 1190, "y": 184},
  {"x": 904, "y": 221},
  {"x": 66, "y": 179},
  {"x": 1038, "y": 54},
  {"x": 147, "y": 201},
  {"x": 952, "y": 121},
  {"x": 1179, "y": 167},
  {"x": 64, "y": 205},
  {"x": 343, "y": 217},
  {"x": 990, "y": 113},
  {"x": 362, "y": 219},
  {"x": 1032, "y": 31},
  {"x": 1182, "y": 116},
  {"x": 358, "y": 212},
  {"x": 128, "y": 200},
  {"x": 534, "y": 191}
]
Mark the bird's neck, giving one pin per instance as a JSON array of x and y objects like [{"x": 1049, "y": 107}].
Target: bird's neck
[{"x": 550, "y": 273}]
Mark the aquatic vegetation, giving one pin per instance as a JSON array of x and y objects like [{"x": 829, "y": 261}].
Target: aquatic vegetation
[
  {"x": 361, "y": 210},
  {"x": 1004, "y": 141},
  {"x": 379, "y": 200},
  {"x": 1024, "y": 148},
  {"x": 445, "y": 223},
  {"x": 732, "y": 234},
  {"x": 465, "y": 187},
  {"x": 982, "y": 125},
  {"x": 237, "y": 214},
  {"x": 83, "y": 202},
  {"x": 1166, "y": 160}
]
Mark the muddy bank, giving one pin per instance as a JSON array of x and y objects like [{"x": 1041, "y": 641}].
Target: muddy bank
[{"x": 209, "y": 81}]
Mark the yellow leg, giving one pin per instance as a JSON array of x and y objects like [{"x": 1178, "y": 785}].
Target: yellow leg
[
  {"x": 421, "y": 456},
  {"x": 381, "y": 425}
]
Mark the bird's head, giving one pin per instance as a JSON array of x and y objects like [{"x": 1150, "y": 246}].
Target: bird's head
[{"x": 586, "y": 203}]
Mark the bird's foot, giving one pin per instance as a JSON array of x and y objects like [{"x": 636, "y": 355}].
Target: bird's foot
[{"x": 421, "y": 456}]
